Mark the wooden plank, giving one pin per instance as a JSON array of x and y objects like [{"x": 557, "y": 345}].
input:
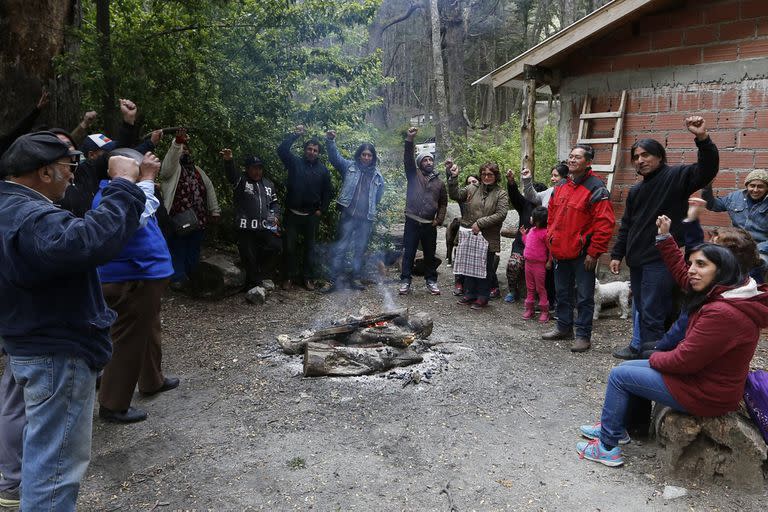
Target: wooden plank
[
  {"x": 601, "y": 115},
  {"x": 607, "y": 140}
]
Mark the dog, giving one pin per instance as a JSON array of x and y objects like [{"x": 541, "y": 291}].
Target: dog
[{"x": 617, "y": 292}]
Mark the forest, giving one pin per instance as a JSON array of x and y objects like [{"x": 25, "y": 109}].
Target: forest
[{"x": 242, "y": 73}]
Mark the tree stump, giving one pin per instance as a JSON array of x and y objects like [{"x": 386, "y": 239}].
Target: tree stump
[
  {"x": 346, "y": 361},
  {"x": 725, "y": 449}
]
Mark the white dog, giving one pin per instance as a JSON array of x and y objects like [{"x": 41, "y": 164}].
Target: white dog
[{"x": 617, "y": 292}]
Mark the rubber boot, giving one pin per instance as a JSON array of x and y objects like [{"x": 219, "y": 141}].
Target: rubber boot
[
  {"x": 544, "y": 316},
  {"x": 528, "y": 313}
]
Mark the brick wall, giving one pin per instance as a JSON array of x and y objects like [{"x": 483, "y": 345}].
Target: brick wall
[{"x": 698, "y": 33}]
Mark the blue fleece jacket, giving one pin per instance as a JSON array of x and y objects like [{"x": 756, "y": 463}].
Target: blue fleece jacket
[
  {"x": 145, "y": 255},
  {"x": 50, "y": 294}
]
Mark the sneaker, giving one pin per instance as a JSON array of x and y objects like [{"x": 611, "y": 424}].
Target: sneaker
[
  {"x": 466, "y": 301},
  {"x": 405, "y": 288},
  {"x": 593, "y": 432},
  {"x": 10, "y": 498},
  {"x": 495, "y": 293},
  {"x": 433, "y": 288},
  {"x": 627, "y": 353},
  {"x": 510, "y": 298},
  {"x": 458, "y": 289},
  {"x": 595, "y": 451}
]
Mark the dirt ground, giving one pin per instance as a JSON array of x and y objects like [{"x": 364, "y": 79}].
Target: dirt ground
[{"x": 491, "y": 425}]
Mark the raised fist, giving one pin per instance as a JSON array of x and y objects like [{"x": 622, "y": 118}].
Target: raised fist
[{"x": 226, "y": 154}]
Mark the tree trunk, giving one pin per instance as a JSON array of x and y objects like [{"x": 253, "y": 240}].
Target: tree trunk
[
  {"x": 443, "y": 133},
  {"x": 453, "y": 48},
  {"x": 32, "y": 33},
  {"x": 108, "y": 109},
  {"x": 528, "y": 124}
]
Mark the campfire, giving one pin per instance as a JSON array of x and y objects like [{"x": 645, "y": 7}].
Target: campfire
[{"x": 361, "y": 345}]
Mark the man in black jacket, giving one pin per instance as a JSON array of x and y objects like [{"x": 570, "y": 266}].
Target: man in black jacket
[
  {"x": 256, "y": 212},
  {"x": 663, "y": 191},
  {"x": 309, "y": 193}
]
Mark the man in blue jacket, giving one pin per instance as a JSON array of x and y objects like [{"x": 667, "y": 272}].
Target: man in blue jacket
[{"x": 54, "y": 323}]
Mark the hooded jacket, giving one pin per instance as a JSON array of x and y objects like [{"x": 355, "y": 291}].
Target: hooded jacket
[
  {"x": 427, "y": 197},
  {"x": 707, "y": 370},
  {"x": 485, "y": 204}
]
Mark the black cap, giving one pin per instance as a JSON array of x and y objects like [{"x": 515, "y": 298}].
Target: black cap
[
  {"x": 33, "y": 151},
  {"x": 252, "y": 160}
]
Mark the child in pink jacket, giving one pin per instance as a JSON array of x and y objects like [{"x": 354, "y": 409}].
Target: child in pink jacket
[{"x": 537, "y": 259}]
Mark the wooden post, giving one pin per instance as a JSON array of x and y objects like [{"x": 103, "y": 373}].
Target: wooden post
[{"x": 528, "y": 124}]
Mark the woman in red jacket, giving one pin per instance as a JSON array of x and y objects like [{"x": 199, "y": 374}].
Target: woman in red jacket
[{"x": 705, "y": 374}]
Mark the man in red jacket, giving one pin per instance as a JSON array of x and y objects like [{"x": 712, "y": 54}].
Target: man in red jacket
[{"x": 581, "y": 221}]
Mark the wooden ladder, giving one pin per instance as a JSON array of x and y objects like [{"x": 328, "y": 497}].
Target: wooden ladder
[{"x": 586, "y": 116}]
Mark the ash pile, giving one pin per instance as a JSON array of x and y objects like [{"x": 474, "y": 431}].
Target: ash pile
[{"x": 362, "y": 344}]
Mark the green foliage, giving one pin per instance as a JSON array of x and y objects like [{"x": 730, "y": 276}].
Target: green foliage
[
  {"x": 502, "y": 146},
  {"x": 239, "y": 74}
]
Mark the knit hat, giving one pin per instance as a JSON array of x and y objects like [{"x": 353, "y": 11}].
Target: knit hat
[
  {"x": 421, "y": 156},
  {"x": 97, "y": 141},
  {"x": 757, "y": 174}
]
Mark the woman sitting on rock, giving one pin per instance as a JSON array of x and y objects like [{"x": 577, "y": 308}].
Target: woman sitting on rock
[{"x": 705, "y": 374}]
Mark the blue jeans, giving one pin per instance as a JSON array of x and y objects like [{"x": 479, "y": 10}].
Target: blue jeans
[
  {"x": 59, "y": 393},
  {"x": 630, "y": 378},
  {"x": 12, "y": 421},
  {"x": 354, "y": 233},
  {"x": 652, "y": 286},
  {"x": 570, "y": 273},
  {"x": 185, "y": 254},
  {"x": 413, "y": 233}
]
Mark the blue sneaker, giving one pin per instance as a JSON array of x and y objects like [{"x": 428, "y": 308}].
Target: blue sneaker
[
  {"x": 595, "y": 451},
  {"x": 509, "y": 298},
  {"x": 593, "y": 432}
]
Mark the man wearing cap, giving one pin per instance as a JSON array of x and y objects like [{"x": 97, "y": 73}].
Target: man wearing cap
[
  {"x": 747, "y": 208},
  {"x": 91, "y": 171},
  {"x": 256, "y": 214},
  {"x": 54, "y": 323},
  {"x": 425, "y": 206}
]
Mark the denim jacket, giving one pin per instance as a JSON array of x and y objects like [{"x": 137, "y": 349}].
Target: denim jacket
[
  {"x": 751, "y": 217},
  {"x": 350, "y": 174}
]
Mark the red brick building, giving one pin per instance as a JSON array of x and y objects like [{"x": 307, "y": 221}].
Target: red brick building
[{"x": 674, "y": 58}]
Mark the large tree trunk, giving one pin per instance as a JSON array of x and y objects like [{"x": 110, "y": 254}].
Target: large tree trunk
[
  {"x": 32, "y": 33},
  {"x": 453, "y": 49},
  {"x": 108, "y": 108},
  {"x": 443, "y": 133}
]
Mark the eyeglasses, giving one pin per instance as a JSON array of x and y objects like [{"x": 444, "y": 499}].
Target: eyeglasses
[{"x": 487, "y": 174}]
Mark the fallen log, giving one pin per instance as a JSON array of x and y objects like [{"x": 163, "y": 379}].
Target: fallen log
[{"x": 321, "y": 359}]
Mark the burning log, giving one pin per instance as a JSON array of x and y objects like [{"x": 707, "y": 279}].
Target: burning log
[
  {"x": 344, "y": 361},
  {"x": 360, "y": 345}
]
